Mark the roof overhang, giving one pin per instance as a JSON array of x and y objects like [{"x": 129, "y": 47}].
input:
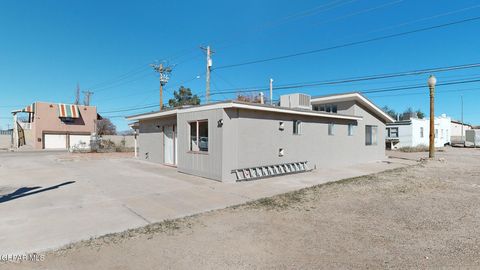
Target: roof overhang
[
  {"x": 239, "y": 105},
  {"x": 357, "y": 97},
  {"x": 152, "y": 115}
]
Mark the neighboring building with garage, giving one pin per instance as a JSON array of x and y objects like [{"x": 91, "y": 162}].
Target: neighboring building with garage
[
  {"x": 234, "y": 141},
  {"x": 46, "y": 125}
]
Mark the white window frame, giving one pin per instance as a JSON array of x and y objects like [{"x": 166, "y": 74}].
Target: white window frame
[
  {"x": 297, "y": 127},
  {"x": 351, "y": 129},
  {"x": 197, "y": 135},
  {"x": 390, "y": 132},
  {"x": 373, "y": 140},
  {"x": 331, "y": 129}
]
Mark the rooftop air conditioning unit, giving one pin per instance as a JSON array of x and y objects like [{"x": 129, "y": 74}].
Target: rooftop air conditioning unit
[{"x": 296, "y": 101}]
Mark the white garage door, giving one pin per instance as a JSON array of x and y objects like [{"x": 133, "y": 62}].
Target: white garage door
[
  {"x": 80, "y": 141},
  {"x": 55, "y": 141}
]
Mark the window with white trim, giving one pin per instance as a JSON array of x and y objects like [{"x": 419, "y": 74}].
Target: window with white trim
[
  {"x": 297, "y": 127},
  {"x": 330, "y": 108},
  {"x": 199, "y": 136},
  {"x": 392, "y": 132},
  {"x": 371, "y": 135},
  {"x": 331, "y": 129},
  {"x": 350, "y": 129}
]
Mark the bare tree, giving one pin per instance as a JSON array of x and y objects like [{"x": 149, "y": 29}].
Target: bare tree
[
  {"x": 251, "y": 98},
  {"x": 106, "y": 127}
]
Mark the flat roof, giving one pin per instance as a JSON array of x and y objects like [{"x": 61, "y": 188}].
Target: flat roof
[
  {"x": 357, "y": 96},
  {"x": 240, "y": 105}
]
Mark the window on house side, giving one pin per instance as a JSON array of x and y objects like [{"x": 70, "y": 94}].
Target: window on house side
[
  {"x": 371, "y": 135},
  {"x": 199, "y": 136},
  {"x": 328, "y": 108},
  {"x": 193, "y": 136},
  {"x": 297, "y": 129},
  {"x": 436, "y": 133},
  {"x": 393, "y": 132},
  {"x": 331, "y": 128},
  {"x": 322, "y": 108},
  {"x": 350, "y": 129},
  {"x": 421, "y": 132},
  {"x": 334, "y": 108}
]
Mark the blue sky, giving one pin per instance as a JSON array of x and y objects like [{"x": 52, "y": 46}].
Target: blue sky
[{"x": 106, "y": 46}]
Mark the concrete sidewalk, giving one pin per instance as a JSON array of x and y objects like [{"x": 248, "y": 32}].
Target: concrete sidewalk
[{"x": 54, "y": 199}]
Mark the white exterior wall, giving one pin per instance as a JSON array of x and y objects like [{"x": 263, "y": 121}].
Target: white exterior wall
[
  {"x": 456, "y": 129},
  {"x": 409, "y": 135},
  {"x": 404, "y": 135},
  {"x": 417, "y": 125},
  {"x": 443, "y": 125}
]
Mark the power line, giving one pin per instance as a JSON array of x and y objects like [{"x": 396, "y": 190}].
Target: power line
[
  {"x": 439, "y": 91},
  {"x": 132, "y": 109},
  {"x": 418, "y": 86},
  {"x": 123, "y": 76},
  {"x": 377, "y": 90},
  {"x": 424, "y": 19},
  {"x": 292, "y": 17},
  {"x": 360, "y": 12},
  {"x": 350, "y": 43},
  {"x": 353, "y": 79},
  {"x": 120, "y": 83}
]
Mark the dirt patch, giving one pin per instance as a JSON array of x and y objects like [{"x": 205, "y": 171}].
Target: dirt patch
[{"x": 424, "y": 216}]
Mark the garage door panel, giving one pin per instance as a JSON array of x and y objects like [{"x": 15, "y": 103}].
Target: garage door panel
[{"x": 55, "y": 141}]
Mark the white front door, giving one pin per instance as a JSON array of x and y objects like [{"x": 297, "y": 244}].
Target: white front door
[{"x": 169, "y": 145}]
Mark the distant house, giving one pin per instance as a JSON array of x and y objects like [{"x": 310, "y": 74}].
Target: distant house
[
  {"x": 46, "y": 125},
  {"x": 233, "y": 141},
  {"x": 459, "y": 130},
  {"x": 415, "y": 132}
]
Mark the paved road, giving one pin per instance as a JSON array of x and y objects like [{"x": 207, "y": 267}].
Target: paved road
[{"x": 48, "y": 200}]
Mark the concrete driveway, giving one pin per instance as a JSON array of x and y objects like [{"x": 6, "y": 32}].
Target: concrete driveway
[{"x": 48, "y": 200}]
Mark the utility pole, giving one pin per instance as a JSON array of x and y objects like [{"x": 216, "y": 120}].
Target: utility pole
[
  {"x": 431, "y": 85},
  {"x": 164, "y": 73},
  {"x": 86, "y": 99},
  {"x": 271, "y": 91},
  {"x": 77, "y": 95},
  {"x": 209, "y": 68}
]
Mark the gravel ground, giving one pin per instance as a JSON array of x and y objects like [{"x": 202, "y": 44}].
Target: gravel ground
[{"x": 423, "y": 216}]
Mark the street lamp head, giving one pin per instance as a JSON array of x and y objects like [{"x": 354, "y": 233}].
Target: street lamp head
[{"x": 432, "y": 81}]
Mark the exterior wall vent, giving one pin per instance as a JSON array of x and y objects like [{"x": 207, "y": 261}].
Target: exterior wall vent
[{"x": 296, "y": 101}]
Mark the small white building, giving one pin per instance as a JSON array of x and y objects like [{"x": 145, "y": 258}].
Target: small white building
[
  {"x": 415, "y": 132},
  {"x": 457, "y": 136}
]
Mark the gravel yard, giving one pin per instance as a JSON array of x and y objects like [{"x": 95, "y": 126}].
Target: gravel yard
[{"x": 423, "y": 216}]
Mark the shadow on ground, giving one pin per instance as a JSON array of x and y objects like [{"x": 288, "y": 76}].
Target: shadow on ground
[{"x": 27, "y": 191}]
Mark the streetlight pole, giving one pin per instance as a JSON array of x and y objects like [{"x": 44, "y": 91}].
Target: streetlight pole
[
  {"x": 431, "y": 85},
  {"x": 463, "y": 140}
]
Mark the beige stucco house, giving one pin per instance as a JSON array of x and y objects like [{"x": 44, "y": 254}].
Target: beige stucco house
[{"x": 47, "y": 125}]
